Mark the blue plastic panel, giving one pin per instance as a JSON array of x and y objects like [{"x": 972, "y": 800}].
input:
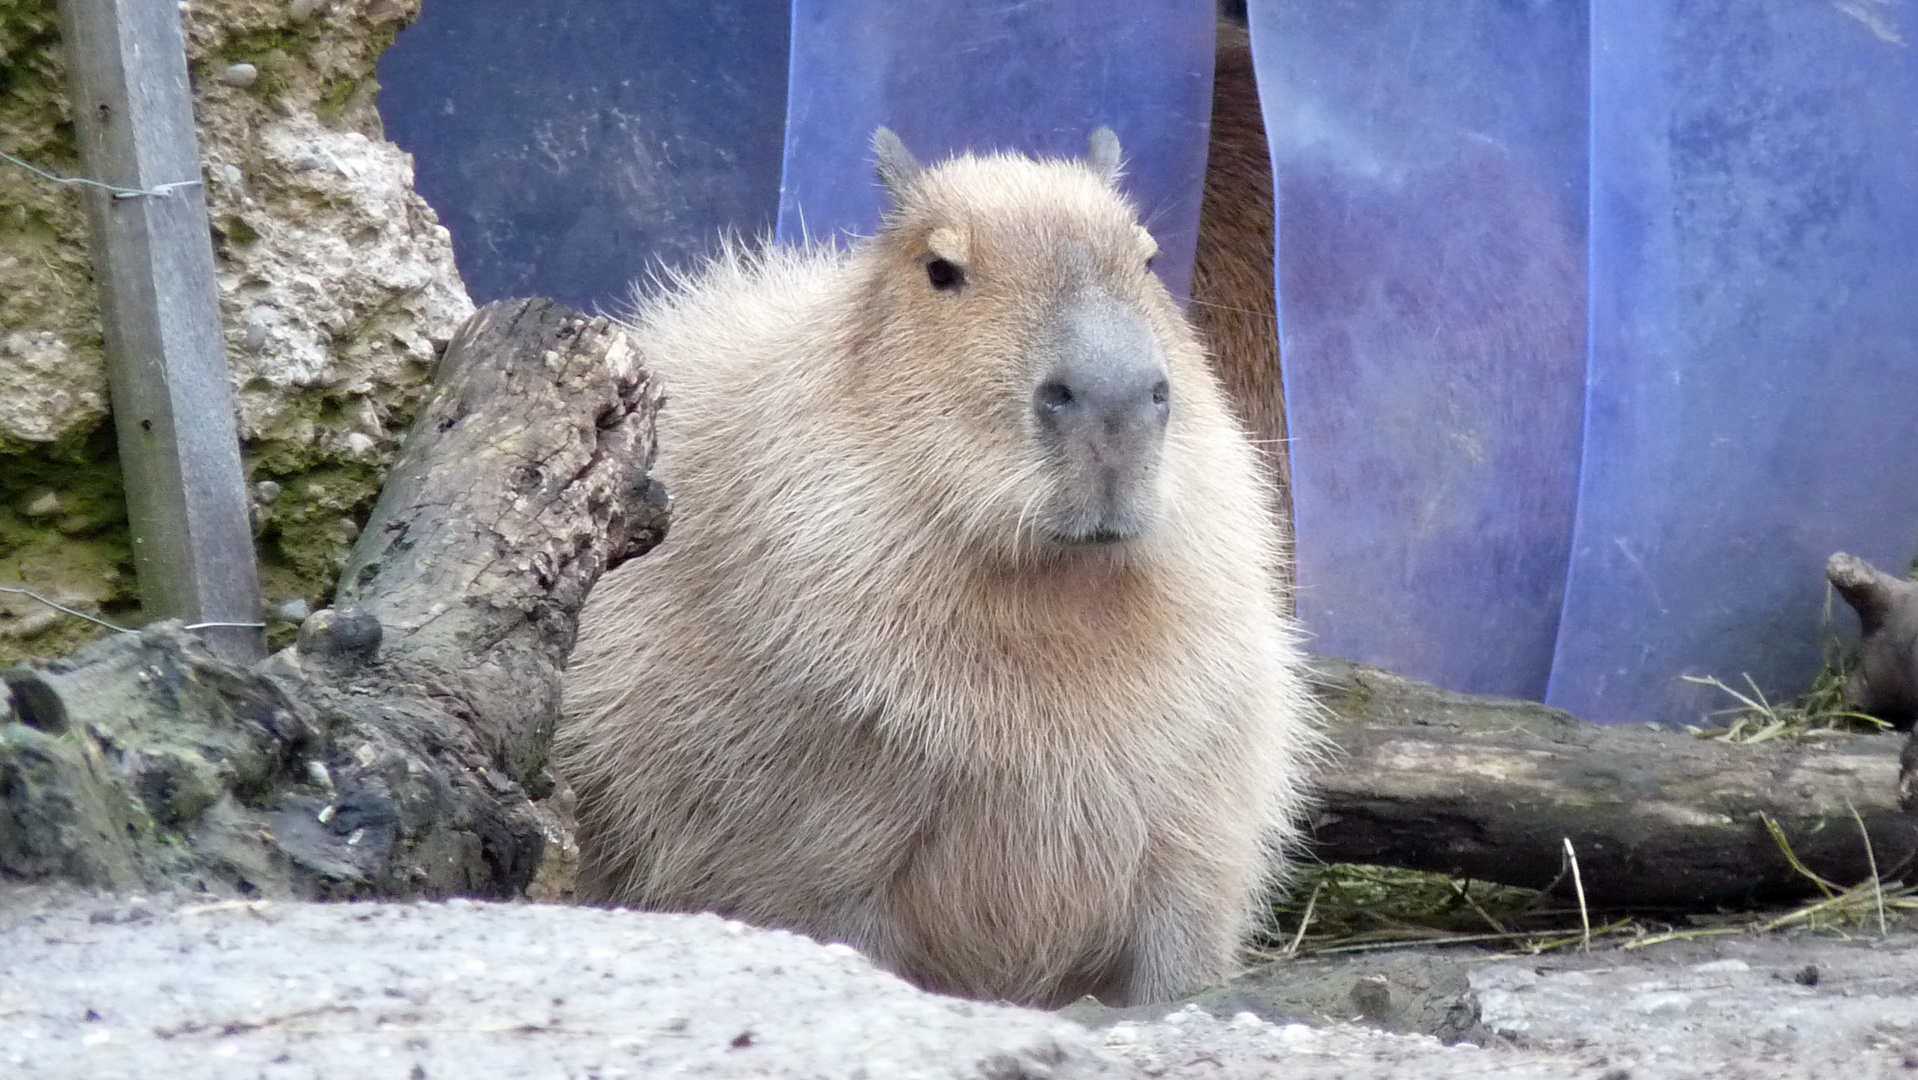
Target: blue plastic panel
[
  {"x": 1430, "y": 162},
  {"x": 568, "y": 144},
  {"x": 989, "y": 75},
  {"x": 1754, "y": 341}
]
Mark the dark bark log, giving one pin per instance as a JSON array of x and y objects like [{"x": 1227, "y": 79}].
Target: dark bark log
[
  {"x": 1490, "y": 789},
  {"x": 399, "y": 748}
]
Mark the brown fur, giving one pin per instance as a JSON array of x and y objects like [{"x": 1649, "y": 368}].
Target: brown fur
[
  {"x": 861, "y": 692},
  {"x": 1233, "y": 295}
]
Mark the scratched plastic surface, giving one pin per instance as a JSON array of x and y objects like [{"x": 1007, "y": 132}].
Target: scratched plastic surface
[
  {"x": 1430, "y": 159},
  {"x": 1754, "y": 342},
  {"x": 972, "y": 75},
  {"x": 569, "y": 145}
]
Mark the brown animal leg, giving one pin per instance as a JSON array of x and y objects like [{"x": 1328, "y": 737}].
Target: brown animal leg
[
  {"x": 1180, "y": 944},
  {"x": 1233, "y": 295}
]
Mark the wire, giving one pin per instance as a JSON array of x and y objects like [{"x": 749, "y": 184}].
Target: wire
[
  {"x": 31, "y": 595},
  {"x": 118, "y": 192}
]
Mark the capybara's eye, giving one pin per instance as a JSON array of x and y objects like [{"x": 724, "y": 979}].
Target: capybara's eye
[
  {"x": 944, "y": 275},
  {"x": 1149, "y": 259}
]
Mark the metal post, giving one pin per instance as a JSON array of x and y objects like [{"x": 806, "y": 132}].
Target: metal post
[{"x": 152, "y": 254}]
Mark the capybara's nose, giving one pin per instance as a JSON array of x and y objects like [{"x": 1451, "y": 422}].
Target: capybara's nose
[
  {"x": 1107, "y": 383},
  {"x": 1131, "y": 398}
]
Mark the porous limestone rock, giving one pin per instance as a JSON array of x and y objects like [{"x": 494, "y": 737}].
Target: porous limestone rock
[{"x": 337, "y": 289}]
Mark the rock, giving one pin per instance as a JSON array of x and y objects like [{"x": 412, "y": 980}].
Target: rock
[
  {"x": 529, "y": 990},
  {"x": 45, "y": 392},
  {"x": 348, "y": 276},
  {"x": 349, "y": 635},
  {"x": 337, "y": 286},
  {"x": 240, "y": 75}
]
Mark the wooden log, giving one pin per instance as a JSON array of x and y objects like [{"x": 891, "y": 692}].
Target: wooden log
[
  {"x": 399, "y": 748},
  {"x": 173, "y": 404},
  {"x": 1490, "y": 789}
]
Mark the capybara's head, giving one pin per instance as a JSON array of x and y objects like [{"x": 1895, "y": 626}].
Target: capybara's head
[{"x": 1026, "y": 352}]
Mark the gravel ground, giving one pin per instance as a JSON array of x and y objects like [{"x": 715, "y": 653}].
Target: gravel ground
[{"x": 103, "y": 987}]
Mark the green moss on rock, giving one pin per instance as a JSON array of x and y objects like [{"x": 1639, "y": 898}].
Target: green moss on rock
[{"x": 63, "y": 535}]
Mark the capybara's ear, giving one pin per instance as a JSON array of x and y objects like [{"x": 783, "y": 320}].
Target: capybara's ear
[
  {"x": 1102, "y": 154},
  {"x": 897, "y": 166}
]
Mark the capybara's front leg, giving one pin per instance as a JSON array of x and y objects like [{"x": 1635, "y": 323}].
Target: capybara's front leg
[{"x": 1185, "y": 939}]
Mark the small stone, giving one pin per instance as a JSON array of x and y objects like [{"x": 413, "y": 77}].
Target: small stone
[
  {"x": 349, "y": 634},
  {"x": 294, "y": 611},
  {"x": 302, "y": 10},
  {"x": 267, "y": 492},
  {"x": 1371, "y": 995},
  {"x": 1665, "y": 1004},
  {"x": 43, "y": 504},
  {"x": 349, "y": 529},
  {"x": 254, "y": 339},
  {"x": 232, "y": 175},
  {"x": 360, "y": 443},
  {"x": 31, "y": 625},
  {"x": 240, "y": 75}
]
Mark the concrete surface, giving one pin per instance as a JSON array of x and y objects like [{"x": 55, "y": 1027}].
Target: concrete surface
[{"x": 102, "y": 987}]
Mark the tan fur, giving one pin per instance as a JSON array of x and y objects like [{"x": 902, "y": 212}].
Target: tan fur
[
  {"x": 858, "y": 694},
  {"x": 1234, "y": 300}
]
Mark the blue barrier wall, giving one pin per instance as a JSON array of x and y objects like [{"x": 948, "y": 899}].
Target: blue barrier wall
[
  {"x": 1754, "y": 370},
  {"x": 1600, "y": 320},
  {"x": 1038, "y": 78},
  {"x": 1430, "y": 159},
  {"x": 570, "y": 145}
]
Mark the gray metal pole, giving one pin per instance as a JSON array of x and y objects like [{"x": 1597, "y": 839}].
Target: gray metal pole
[{"x": 152, "y": 255}]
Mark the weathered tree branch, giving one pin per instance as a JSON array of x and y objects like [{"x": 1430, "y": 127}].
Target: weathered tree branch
[
  {"x": 1885, "y": 682},
  {"x": 399, "y": 748},
  {"x": 1491, "y": 789}
]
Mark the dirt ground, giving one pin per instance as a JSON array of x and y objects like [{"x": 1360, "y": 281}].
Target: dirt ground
[{"x": 105, "y": 987}]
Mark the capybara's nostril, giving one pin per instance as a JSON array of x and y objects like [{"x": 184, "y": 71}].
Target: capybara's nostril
[{"x": 1055, "y": 397}]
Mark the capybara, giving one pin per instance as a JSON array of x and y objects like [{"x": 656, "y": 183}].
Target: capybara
[{"x": 963, "y": 648}]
